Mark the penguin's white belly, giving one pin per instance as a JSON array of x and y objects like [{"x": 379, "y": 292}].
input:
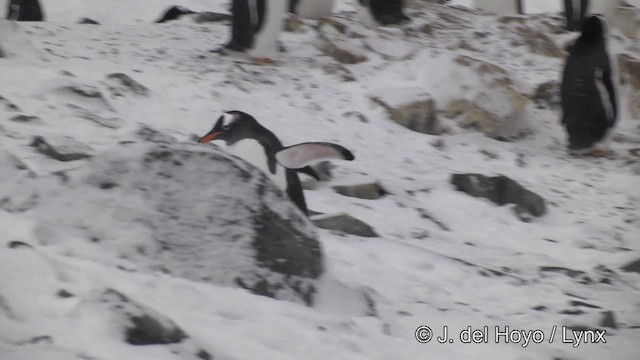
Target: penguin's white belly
[
  {"x": 252, "y": 152},
  {"x": 266, "y": 40},
  {"x": 315, "y": 9}
]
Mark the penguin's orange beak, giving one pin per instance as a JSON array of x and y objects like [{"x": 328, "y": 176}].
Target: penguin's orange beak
[{"x": 205, "y": 139}]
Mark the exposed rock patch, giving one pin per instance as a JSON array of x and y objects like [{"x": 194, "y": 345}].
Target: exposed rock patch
[
  {"x": 61, "y": 148},
  {"x": 241, "y": 232},
  {"x": 120, "y": 84},
  {"x": 412, "y": 108},
  {"x": 501, "y": 190},
  {"x": 370, "y": 191},
  {"x": 346, "y": 224},
  {"x": 333, "y": 43}
]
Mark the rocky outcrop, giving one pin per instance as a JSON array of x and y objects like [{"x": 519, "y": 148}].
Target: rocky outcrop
[
  {"x": 133, "y": 322},
  {"x": 492, "y": 104},
  {"x": 501, "y": 190},
  {"x": 346, "y": 224},
  {"x": 369, "y": 191},
  {"x": 410, "y": 107},
  {"x": 61, "y": 148},
  {"x": 192, "y": 211}
]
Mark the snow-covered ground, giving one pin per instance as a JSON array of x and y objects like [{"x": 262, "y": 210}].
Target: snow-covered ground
[{"x": 477, "y": 265}]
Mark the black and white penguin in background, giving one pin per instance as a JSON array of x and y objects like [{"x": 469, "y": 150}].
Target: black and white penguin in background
[
  {"x": 24, "y": 10},
  {"x": 311, "y": 9},
  {"x": 574, "y": 12},
  {"x": 254, "y": 143},
  {"x": 382, "y": 12},
  {"x": 255, "y": 26},
  {"x": 589, "y": 106}
]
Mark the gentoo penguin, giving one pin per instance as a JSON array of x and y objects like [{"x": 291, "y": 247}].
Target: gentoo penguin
[
  {"x": 254, "y": 143},
  {"x": 589, "y": 106},
  {"x": 574, "y": 12},
  {"x": 255, "y": 25},
  {"x": 24, "y": 10},
  {"x": 311, "y": 9},
  {"x": 382, "y": 12}
]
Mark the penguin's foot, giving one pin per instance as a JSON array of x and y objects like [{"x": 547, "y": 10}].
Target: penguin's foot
[
  {"x": 601, "y": 153},
  {"x": 262, "y": 61}
]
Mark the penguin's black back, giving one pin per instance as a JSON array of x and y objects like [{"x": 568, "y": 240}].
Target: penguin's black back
[
  {"x": 584, "y": 105},
  {"x": 24, "y": 10}
]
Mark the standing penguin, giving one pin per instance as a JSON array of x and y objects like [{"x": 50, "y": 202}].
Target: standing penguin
[
  {"x": 589, "y": 106},
  {"x": 255, "y": 25},
  {"x": 383, "y": 12},
  {"x": 24, "y": 10},
  {"x": 258, "y": 146},
  {"x": 574, "y": 12}
]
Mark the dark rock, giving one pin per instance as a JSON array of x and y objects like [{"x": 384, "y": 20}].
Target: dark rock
[
  {"x": 577, "y": 303},
  {"x": 120, "y": 84},
  {"x": 18, "y": 244},
  {"x": 62, "y": 148},
  {"x": 64, "y": 294},
  {"x": 571, "y": 312},
  {"x": 24, "y": 10},
  {"x": 173, "y": 13},
  {"x": 501, "y": 190},
  {"x": 208, "y": 16},
  {"x": 608, "y": 320},
  {"x": 286, "y": 250},
  {"x": 370, "y": 191},
  {"x": 346, "y": 224},
  {"x": 633, "y": 266},
  {"x": 8, "y": 105},
  {"x": 88, "y": 21},
  {"x": 26, "y": 119},
  {"x": 207, "y": 217},
  {"x": 138, "y": 324}
]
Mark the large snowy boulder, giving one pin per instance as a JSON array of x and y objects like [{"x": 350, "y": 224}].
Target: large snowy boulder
[
  {"x": 411, "y": 107},
  {"x": 190, "y": 211},
  {"x": 483, "y": 95}
]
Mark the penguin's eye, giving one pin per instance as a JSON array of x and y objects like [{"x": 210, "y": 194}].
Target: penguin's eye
[{"x": 226, "y": 127}]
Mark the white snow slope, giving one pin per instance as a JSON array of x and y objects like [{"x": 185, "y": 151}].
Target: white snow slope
[{"x": 477, "y": 265}]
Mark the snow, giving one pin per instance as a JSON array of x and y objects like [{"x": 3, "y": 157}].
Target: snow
[{"x": 442, "y": 258}]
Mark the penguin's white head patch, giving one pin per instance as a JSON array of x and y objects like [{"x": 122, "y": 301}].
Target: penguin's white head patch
[{"x": 228, "y": 119}]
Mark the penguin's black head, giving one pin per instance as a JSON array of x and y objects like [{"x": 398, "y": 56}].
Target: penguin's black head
[
  {"x": 593, "y": 29},
  {"x": 231, "y": 127}
]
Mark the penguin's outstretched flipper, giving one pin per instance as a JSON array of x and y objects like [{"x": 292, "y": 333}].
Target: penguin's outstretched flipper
[{"x": 301, "y": 155}]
